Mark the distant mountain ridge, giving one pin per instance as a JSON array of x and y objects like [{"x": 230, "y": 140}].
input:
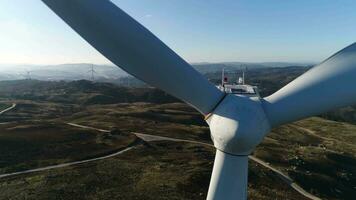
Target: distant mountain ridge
[
  {"x": 79, "y": 71},
  {"x": 235, "y": 66}
]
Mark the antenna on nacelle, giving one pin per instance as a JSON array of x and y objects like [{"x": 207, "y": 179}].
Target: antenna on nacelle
[
  {"x": 241, "y": 80},
  {"x": 243, "y": 77},
  {"x": 223, "y": 78}
]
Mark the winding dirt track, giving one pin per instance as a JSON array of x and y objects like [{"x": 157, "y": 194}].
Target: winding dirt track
[
  {"x": 8, "y": 109},
  {"x": 65, "y": 164}
]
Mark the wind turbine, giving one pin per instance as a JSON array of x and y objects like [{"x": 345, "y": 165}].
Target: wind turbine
[
  {"x": 92, "y": 71},
  {"x": 237, "y": 123},
  {"x": 28, "y": 75}
]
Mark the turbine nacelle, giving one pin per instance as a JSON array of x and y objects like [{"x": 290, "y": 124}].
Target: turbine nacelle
[{"x": 238, "y": 124}]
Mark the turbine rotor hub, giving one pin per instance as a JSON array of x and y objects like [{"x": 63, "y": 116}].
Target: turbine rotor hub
[{"x": 238, "y": 124}]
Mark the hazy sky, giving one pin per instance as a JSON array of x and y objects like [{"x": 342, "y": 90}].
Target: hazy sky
[{"x": 198, "y": 30}]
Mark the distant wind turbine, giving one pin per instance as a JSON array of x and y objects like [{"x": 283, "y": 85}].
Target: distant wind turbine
[
  {"x": 92, "y": 71},
  {"x": 28, "y": 75}
]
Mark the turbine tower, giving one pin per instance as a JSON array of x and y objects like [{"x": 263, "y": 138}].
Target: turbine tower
[{"x": 237, "y": 123}]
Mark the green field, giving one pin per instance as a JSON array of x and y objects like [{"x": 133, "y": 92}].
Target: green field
[
  {"x": 319, "y": 154},
  {"x": 37, "y": 144},
  {"x": 160, "y": 170}
]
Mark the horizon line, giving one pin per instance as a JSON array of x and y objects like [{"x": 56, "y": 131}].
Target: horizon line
[{"x": 191, "y": 63}]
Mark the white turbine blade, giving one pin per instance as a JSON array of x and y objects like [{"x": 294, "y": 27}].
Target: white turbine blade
[
  {"x": 133, "y": 48},
  {"x": 328, "y": 86},
  {"x": 229, "y": 178}
]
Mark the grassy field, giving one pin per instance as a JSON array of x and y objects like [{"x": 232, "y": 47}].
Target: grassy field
[
  {"x": 32, "y": 144},
  {"x": 160, "y": 170},
  {"x": 172, "y": 120},
  {"x": 320, "y": 155}
]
